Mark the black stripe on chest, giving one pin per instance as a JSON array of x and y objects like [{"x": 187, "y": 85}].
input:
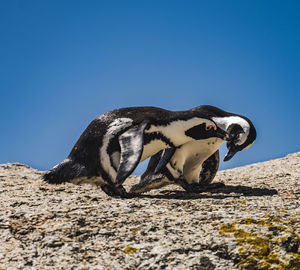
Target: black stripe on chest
[{"x": 149, "y": 137}]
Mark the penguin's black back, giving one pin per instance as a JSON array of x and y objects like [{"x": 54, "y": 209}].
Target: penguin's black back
[
  {"x": 84, "y": 158},
  {"x": 86, "y": 149}
]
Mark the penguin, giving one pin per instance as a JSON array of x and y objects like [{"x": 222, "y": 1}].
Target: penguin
[
  {"x": 113, "y": 144},
  {"x": 194, "y": 164}
]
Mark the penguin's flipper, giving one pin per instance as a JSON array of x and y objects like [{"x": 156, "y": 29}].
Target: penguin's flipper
[
  {"x": 150, "y": 180},
  {"x": 165, "y": 158},
  {"x": 131, "y": 143},
  {"x": 153, "y": 162}
]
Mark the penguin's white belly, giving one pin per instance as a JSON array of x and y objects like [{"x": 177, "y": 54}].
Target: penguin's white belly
[
  {"x": 152, "y": 148},
  {"x": 189, "y": 157}
]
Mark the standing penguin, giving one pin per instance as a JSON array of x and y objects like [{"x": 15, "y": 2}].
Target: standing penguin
[
  {"x": 113, "y": 144},
  {"x": 195, "y": 164}
]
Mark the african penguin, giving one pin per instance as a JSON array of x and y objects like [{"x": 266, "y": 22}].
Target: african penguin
[
  {"x": 113, "y": 144},
  {"x": 194, "y": 164}
]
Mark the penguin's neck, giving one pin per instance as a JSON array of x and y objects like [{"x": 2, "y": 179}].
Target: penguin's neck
[
  {"x": 175, "y": 130},
  {"x": 170, "y": 135}
]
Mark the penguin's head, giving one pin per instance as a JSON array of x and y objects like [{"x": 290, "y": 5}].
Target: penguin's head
[{"x": 243, "y": 135}]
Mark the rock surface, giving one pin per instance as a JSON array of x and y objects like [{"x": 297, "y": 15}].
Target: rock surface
[{"x": 251, "y": 223}]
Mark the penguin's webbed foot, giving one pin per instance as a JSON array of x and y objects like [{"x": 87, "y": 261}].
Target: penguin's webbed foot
[
  {"x": 198, "y": 188},
  {"x": 117, "y": 192},
  {"x": 213, "y": 186},
  {"x": 149, "y": 182}
]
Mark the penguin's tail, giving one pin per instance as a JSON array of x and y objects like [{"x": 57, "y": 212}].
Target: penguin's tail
[{"x": 64, "y": 172}]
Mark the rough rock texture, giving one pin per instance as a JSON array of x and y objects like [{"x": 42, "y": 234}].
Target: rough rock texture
[{"x": 252, "y": 223}]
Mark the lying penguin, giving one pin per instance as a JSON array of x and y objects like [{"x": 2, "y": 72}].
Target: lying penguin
[
  {"x": 194, "y": 164},
  {"x": 113, "y": 144}
]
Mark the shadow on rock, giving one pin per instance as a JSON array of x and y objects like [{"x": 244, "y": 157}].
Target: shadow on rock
[{"x": 227, "y": 191}]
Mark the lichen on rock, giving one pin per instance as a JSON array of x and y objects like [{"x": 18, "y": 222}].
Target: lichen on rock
[{"x": 251, "y": 223}]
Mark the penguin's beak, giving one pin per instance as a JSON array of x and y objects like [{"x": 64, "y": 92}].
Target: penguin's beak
[
  {"x": 223, "y": 134},
  {"x": 232, "y": 150}
]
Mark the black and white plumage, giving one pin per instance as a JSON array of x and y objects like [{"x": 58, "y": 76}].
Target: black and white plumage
[
  {"x": 114, "y": 143},
  {"x": 195, "y": 164}
]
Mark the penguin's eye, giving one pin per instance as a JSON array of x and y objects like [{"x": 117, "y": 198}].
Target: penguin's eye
[{"x": 210, "y": 127}]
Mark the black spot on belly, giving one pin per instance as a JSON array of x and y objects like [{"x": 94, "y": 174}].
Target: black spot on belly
[{"x": 173, "y": 165}]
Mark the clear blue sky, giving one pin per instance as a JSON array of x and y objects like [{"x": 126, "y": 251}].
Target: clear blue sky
[{"x": 63, "y": 63}]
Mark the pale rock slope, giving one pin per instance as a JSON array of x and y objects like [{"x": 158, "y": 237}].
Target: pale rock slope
[{"x": 251, "y": 223}]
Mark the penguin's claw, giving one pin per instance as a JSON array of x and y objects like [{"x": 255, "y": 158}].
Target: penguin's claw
[
  {"x": 198, "y": 188},
  {"x": 117, "y": 192},
  {"x": 214, "y": 186}
]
